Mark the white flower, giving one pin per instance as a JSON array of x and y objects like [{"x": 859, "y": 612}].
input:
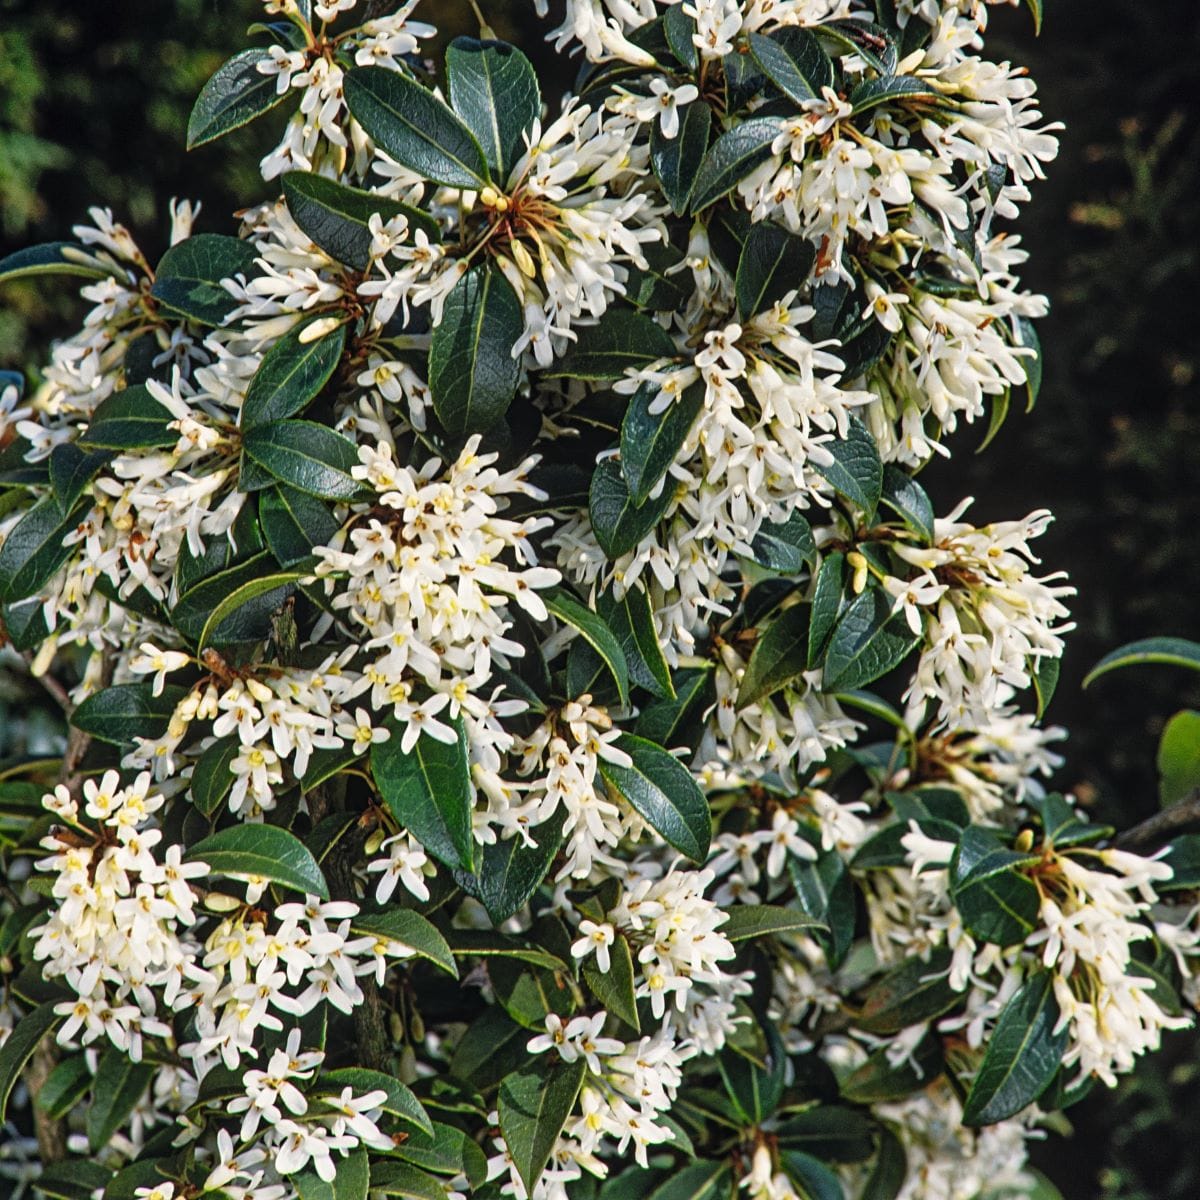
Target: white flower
[{"x": 596, "y": 939}]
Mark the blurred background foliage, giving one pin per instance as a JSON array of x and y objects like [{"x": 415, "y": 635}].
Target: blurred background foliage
[{"x": 93, "y": 104}]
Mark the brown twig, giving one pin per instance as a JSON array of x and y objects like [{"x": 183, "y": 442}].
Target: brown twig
[{"x": 1161, "y": 826}]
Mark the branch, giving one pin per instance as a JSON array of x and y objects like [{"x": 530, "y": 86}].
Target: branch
[{"x": 1161, "y": 826}]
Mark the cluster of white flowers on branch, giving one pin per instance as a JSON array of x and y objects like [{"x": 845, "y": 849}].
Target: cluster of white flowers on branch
[{"x": 526, "y": 713}]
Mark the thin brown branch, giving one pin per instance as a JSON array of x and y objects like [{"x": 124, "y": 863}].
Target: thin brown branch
[{"x": 1163, "y": 825}]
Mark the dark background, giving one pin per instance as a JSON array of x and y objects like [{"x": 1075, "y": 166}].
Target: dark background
[{"x": 93, "y": 104}]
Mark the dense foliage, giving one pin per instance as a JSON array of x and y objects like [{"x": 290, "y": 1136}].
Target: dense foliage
[{"x": 477, "y": 565}]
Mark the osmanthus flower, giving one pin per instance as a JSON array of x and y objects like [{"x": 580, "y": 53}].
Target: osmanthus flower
[{"x": 482, "y": 580}]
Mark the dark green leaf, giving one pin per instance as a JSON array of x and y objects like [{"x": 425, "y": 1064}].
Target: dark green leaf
[
  {"x": 594, "y": 631},
  {"x": 674, "y": 723},
  {"x": 245, "y": 614},
  {"x": 916, "y": 991},
  {"x": 130, "y": 420},
  {"x": 1022, "y": 1055},
  {"x": 680, "y": 32},
  {"x": 748, "y": 921},
  {"x": 997, "y": 903},
  {"x": 307, "y": 456},
  {"x": 473, "y": 375},
  {"x": 632, "y": 621},
  {"x": 291, "y": 375},
  {"x": 815, "y": 1180},
  {"x": 773, "y": 263},
  {"x": 410, "y": 929},
  {"x": 732, "y": 157},
  {"x": 293, "y": 523},
  {"x": 1030, "y": 340},
  {"x": 212, "y": 778},
  {"x": 265, "y": 851},
  {"x": 195, "y": 605},
  {"x": 614, "y": 988},
  {"x": 890, "y": 1170},
  {"x": 429, "y": 791},
  {"x": 780, "y": 655},
  {"x": 19, "y": 1046},
  {"x": 337, "y": 217},
  {"x": 832, "y": 1132},
  {"x": 651, "y": 444},
  {"x": 623, "y": 339},
  {"x": 118, "y": 1086},
  {"x": 510, "y": 871},
  {"x": 534, "y": 1106},
  {"x": 34, "y": 549},
  {"x": 74, "y": 1179},
  {"x": 400, "y": 1101},
  {"x": 1177, "y": 652},
  {"x": 618, "y": 523},
  {"x": 792, "y": 59},
  {"x": 188, "y": 278},
  {"x": 696, "y": 1181},
  {"x": 825, "y": 892},
  {"x": 908, "y": 500},
  {"x": 236, "y": 94},
  {"x": 416, "y": 128},
  {"x": 390, "y": 1178},
  {"x": 54, "y": 258},
  {"x": 494, "y": 89},
  {"x": 72, "y": 471},
  {"x": 867, "y": 642},
  {"x": 878, "y": 1080},
  {"x": 829, "y": 599},
  {"x": 676, "y": 161},
  {"x": 664, "y": 793},
  {"x": 755, "y": 1087},
  {"x": 785, "y": 546},
  {"x": 125, "y": 711},
  {"x": 856, "y": 471},
  {"x": 873, "y": 92},
  {"x": 64, "y": 1087},
  {"x": 350, "y": 1183}
]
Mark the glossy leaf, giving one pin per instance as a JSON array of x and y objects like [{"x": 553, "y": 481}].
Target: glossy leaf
[
  {"x": 53, "y": 258},
  {"x": 773, "y": 263},
  {"x": 293, "y": 523},
  {"x": 212, "y": 777},
  {"x": 732, "y": 157},
  {"x": 399, "y": 1102},
  {"x": 619, "y": 524},
  {"x": 1022, "y": 1056},
  {"x": 72, "y": 471},
  {"x": 917, "y": 990},
  {"x": 473, "y": 375},
  {"x": 792, "y": 59},
  {"x": 873, "y": 92},
  {"x": 494, "y": 90},
  {"x": 614, "y": 988},
  {"x": 997, "y": 903},
  {"x": 264, "y": 852},
  {"x": 624, "y": 339},
  {"x": 909, "y": 501},
  {"x": 307, "y": 456},
  {"x": 1176, "y": 652},
  {"x": 631, "y": 620},
  {"x": 664, "y": 793},
  {"x": 510, "y": 872},
  {"x": 593, "y": 629},
  {"x": 351, "y": 1181},
  {"x": 1179, "y": 757},
  {"x": 867, "y": 642},
  {"x": 130, "y": 419},
  {"x": 747, "y": 921},
  {"x": 244, "y": 615},
  {"x": 337, "y": 217},
  {"x": 17, "y": 1049},
  {"x": 125, "y": 711},
  {"x": 416, "y": 128},
  {"x": 856, "y": 471},
  {"x": 429, "y": 791},
  {"x": 650, "y": 443},
  {"x": 291, "y": 374},
  {"x": 785, "y": 546},
  {"x": 188, "y": 278},
  {"x": 780, "y": 655},
  {"x": 116, "y": 1090},
  {"x": 34, "y": 549},
  {"x": 411, "y": 929},
  {"x": 233, "y": 96},
  {"x": 534, "y": 1106},
  {"x": 676, "y": 161}
]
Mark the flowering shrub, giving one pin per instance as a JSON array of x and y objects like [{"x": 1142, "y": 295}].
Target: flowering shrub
[{"x": 466, "y": 582}]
